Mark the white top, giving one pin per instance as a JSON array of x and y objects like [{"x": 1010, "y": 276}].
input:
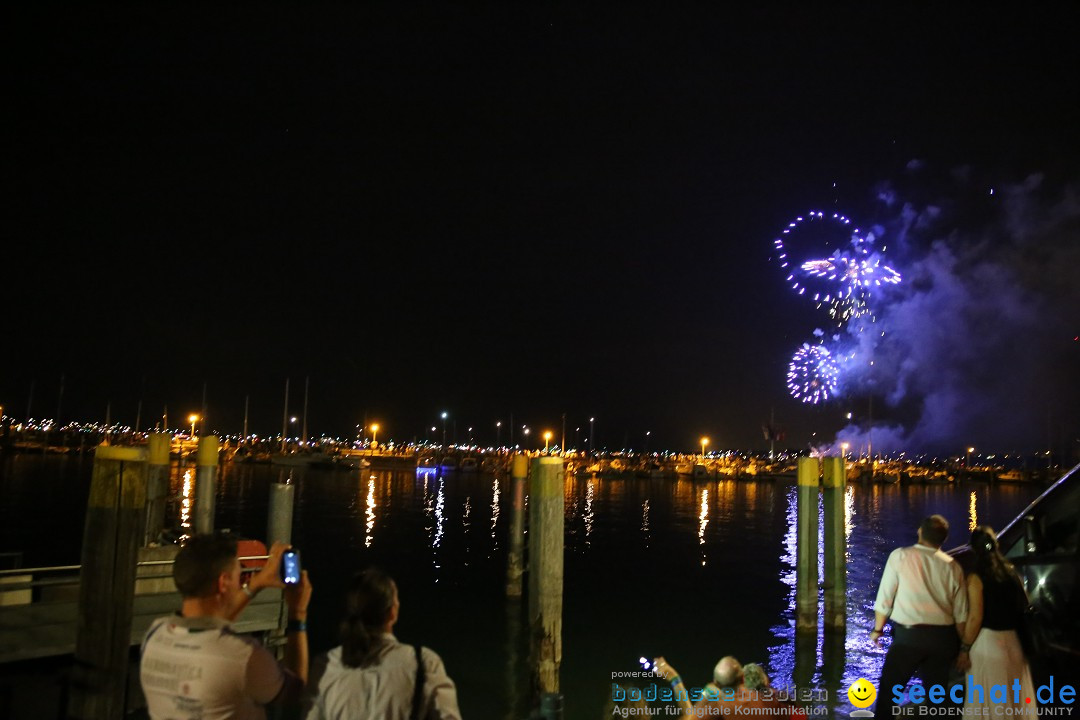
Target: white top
[
  {"x": 383, "y": 689},
  {"x": 199, "y": 669},
  {"x": 922, "y": 586}
]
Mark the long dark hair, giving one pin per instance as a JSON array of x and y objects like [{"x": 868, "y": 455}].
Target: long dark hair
[
  {"x": 367, "y": 608},
  {"x": 991, "y": 565}
]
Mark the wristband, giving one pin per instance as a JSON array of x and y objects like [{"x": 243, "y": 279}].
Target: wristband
[
  {"x": 676, "y": 681},
  {"x": 964, "y": 647},
  {"x": 296, "y": 626},
  {"x": 248, "y": 591}
]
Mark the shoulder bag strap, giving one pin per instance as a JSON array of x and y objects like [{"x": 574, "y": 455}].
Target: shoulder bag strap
[{"x": 418, "y": 690}]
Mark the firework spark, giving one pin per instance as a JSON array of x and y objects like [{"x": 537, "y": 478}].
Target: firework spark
[
  {"x": 840, "y": 282},
  {"x": 812, "y": 374}
]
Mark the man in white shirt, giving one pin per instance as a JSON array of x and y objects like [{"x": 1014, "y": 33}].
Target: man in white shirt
[
  {"x": 922, "y": 593},
  {"x": 194, "y": 666}
]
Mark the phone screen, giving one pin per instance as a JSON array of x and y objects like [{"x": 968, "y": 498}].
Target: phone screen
[{"x": 290, "y": 567}]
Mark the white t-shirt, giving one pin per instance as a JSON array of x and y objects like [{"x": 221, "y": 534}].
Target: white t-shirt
[
  {"x": 382, "y": 690},
  {"x": 198, "y": 668}
]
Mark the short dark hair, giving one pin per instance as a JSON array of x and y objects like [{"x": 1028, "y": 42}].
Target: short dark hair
[
  {"x": 934, "y": 530},
  {"x": 200, "y": 563}
]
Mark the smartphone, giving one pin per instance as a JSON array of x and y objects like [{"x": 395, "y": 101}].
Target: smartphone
[{"x": 290, "y": 567}]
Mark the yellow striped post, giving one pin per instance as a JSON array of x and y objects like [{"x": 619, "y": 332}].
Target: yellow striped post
[
  {"x": 806, "y": 571},
  {"x": 157, "y": 485},
  {"x": 519, "y": 471},
  {"x": 835, "y": 482},
  {"x": 111, "y": 537},
  {"x": 206, "y": 473},
  {"x": 546, "y": 571}
]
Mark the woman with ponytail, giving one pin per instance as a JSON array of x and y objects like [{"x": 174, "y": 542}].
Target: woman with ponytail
[
  {"x": 990, "y": 651},
  {"x": 371, "y": 674}
]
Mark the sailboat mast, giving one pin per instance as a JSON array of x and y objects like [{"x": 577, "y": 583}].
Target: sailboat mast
[
  {"x": 303, "y": 431},
  {"x": 285, "y": 417}
]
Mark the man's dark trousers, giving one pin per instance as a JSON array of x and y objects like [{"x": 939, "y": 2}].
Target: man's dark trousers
[{"x": 929, "y": 649}]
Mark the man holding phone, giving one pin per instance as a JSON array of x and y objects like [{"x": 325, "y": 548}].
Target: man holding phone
[{"x": 194, "y": 665}]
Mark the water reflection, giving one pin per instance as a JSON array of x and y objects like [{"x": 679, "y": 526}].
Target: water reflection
[
  {"x": 589, "y": 490},
  {"x": 185, "y": 503},
  {"x": 645, "y": 521},
  {"x": 703, "y": 521},
  {"x": 370, "y": 527},
  {"x": 849, "y": 513},
  {"x": 494, "y": 511},
  {"x": 973, "y": 522},
  {"x": 440, "y": 508},
  {"x": 465, "y": 527}
]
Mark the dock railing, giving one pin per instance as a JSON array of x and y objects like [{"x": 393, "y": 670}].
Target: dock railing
[{"x": 39, "y": 607}]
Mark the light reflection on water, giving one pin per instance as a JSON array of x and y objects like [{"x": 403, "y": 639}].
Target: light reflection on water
[
  {"x": 703, "y": 521},
  {"x": 186, "y": 501},
  {"x": 370, "y": 526},
  {"x": 494, "y": 511}
]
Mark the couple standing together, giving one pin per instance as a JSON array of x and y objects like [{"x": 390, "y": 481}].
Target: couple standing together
[{"x": 941, "y": 620}]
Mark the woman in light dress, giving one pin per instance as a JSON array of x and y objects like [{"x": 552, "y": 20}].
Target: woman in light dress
[{"x": 990, "y": 650}]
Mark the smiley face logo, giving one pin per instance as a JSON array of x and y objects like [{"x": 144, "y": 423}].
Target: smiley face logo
[{"x": 862, "y": 693}]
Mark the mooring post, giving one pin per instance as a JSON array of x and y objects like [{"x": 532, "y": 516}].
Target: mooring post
[
  {"x": 806, "y": 571},
  {"x": 546, "y": 572},
  {"x": 112, "y": 534},
  {"x": 835, "y": 545},
  {"x": 157, "y": 485},
  {"x": 280, "y": 517},
  {"x": 206, "y": 474},
  {"x": 519, "y": 471}
]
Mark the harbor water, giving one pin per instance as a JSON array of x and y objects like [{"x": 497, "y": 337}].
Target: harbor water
[{"x": 691, "y": 570}]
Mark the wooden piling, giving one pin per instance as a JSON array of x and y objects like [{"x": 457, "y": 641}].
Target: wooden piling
[
  {"x": 835, "y": 545},
  {"x": 157, "y": 485},
  {"x": 806, "y": 572},
  {"x": 206, "y": 474},
  {"x": 111, "y": 538},
  {"x": 515, "y": 566},
  {"x": 280, "y": 517},
  {"x": 546, "y": 572}
]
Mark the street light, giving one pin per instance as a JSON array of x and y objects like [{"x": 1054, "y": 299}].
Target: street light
[
  {"x": 547, "y": 440},
  {"x": 843, "y": 451},
  {"x": 193, "y": 418},
  {"x": 525, "y": 432},
  {"x": 498, "y": 433},
  {"x": 444, "y": 428},
  {"x": 470, "y": 436},
  {"x": 967, "y": 463},
  {"x": 374, "y": 434},
  {"x": 704, "y": 442},
  {"x": 647, "y": 434},
  {"x": 591, "y": 435}
]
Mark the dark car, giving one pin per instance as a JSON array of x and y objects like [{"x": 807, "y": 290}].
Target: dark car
[{"x": 1042, "y": 544}]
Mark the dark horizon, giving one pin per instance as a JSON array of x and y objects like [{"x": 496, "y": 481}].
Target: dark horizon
[{"x": 542, "y": 211}]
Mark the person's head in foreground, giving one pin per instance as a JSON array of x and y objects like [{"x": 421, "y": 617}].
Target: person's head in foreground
[
  {"x": 728, "y": 673},
  {"x": 933, "y": 531},
  {"x": 371, "y": 609},
  {"x": 754, "y": 677},
  {"x": 207, "y": 566}
]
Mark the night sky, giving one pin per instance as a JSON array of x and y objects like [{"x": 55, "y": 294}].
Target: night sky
[{"x": 538, "y": 211}]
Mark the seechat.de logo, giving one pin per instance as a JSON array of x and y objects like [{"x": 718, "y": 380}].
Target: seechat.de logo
[{"x": 862, "y": 694}]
